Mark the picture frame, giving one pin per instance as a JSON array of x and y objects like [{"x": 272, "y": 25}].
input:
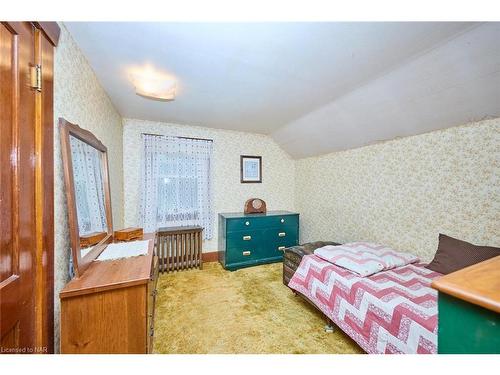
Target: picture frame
[{"x": 250, "y": 169}]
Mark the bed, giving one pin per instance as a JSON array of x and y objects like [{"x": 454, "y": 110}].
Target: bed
[{"x": 392, "y": 311}]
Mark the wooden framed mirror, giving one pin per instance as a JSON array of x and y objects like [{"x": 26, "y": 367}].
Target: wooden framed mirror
[{"x": 86, "y": 177}]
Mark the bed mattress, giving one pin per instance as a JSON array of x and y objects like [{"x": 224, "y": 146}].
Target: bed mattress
[{"x": 392, "y": 311}]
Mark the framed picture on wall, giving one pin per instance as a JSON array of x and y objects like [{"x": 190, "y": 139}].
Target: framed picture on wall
[{"x": 251, "y": 169}]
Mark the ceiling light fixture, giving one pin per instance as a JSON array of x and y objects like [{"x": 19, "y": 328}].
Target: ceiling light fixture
[{"x": 153, "y": 84}]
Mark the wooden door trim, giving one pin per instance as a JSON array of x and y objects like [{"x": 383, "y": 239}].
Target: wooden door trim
[
  {"x": 50, "y": 29},
  {"x": 44, "y": 194}
]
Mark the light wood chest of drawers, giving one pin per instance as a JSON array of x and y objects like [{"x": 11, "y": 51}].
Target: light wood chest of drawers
[{"x": 110, "y": 308}]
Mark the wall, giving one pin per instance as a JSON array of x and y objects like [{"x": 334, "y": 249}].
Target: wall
[
  {"x": 404, "y": 192},
  {"x": 229, "y": 195},
  {"x": 80, "y": 99}
]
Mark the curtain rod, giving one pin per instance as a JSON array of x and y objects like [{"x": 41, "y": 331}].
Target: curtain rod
[{"x": 175, "y": 136}]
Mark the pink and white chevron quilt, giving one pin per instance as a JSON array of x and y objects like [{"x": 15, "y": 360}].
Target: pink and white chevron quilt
[
  {"x": 364, "y": 258},
  {"x": 392, "y": 311}
]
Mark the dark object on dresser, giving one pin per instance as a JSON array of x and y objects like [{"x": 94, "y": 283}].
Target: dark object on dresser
[
  {"x": 91, "y": 239},
  {"x": 255, "y": 206},
  {"x": 453, "y": 255},
  {"x": 179, "y": 248},
  {"x": 128, "y": 234},
  {"x": 249, "y": 240}
]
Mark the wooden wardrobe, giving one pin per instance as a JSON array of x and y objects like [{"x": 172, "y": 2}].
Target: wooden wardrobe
[{"x": 27, "y": 186}]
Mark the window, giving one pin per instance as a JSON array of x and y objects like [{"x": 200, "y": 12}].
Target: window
[
  {"x": 177, "y": 191},
  {"x": 176, "y": 187}
]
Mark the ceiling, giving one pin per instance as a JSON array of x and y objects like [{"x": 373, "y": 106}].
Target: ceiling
[{"x": 314, "y": 87}]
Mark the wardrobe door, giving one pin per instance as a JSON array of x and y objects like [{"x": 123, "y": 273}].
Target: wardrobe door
[
  {"x": 17, "y": 319},
  {"x": 26, "y": 180}
]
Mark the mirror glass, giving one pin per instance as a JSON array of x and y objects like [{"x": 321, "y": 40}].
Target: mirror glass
[{"x": 87, "y": 164}]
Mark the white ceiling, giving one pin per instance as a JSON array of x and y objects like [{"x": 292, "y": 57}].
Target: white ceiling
[{"x": 315, "y": 87}]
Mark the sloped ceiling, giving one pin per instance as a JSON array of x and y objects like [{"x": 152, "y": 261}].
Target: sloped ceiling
[
  {"x": 314, "y": 87},
  {"x": 453, "y": 84}
]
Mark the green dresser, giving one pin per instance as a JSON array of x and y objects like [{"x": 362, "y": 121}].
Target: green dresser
[
  {"x": 466, "y": 328},
  {"x": 249, "y": 240},
  {"x": 469, "y": 309}
]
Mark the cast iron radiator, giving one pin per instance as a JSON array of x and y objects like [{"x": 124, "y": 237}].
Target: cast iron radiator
[{"x": 179, "y": 248}]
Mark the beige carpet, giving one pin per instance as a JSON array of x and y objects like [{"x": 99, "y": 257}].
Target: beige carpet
[{"x": 246, "y": 311}]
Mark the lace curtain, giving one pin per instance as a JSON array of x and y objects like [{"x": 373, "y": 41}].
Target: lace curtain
[
  {"x": 176, "y": 186},
  {"x": 89, "y": 189}
]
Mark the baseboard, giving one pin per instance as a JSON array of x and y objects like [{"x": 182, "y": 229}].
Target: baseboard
[{"x": 210, "y": 257}]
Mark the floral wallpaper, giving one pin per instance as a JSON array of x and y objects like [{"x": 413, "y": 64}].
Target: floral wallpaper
[
  {"x": 404, "y": 192},
  {"x": 228, "y": 194},
  {"x": 80, "y": 99}
]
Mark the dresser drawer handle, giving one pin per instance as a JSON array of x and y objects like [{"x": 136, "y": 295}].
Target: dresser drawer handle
[
  {"x": 281, "y": 234},
  {"x": 282, "y": 220},
  {"x": 247, "y": 238},
  {"x": 281, "y": 248},
  {"x": 247, "y": 223},
  {"x": 246, "y": 253}
]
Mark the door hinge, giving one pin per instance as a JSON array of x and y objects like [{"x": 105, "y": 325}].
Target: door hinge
[{"x": 36, "y": 77}]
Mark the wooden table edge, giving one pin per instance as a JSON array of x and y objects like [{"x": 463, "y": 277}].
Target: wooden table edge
[
  {"x": 445, "y": 285},
  {"x": 70, "y": 291}
]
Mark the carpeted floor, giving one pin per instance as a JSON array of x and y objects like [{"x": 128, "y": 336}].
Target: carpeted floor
[{"x": 246, "y": 311}]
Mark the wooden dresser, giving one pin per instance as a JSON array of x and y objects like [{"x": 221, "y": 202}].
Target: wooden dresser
[
  {"x": 249, "y": 240},
  {"x": 469, "y": 309},
  {"x": 110, "y": 308}
]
